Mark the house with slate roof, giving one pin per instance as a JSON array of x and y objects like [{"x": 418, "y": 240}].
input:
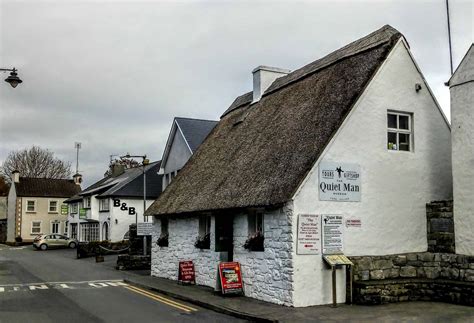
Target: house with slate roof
[
  {"x": 461, "y": 86},
  {"x": 185, "y": 136},
  {"x": 36, "y": 206},
  {"x": 356, "y": 135},
  {"x": 105, "y": 210}
]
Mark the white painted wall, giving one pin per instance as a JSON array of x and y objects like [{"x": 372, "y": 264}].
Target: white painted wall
[
  {"x": 396, "y": 185},
  {"x": 462, "y": 118},
  {"x": 178, "y": 155},
  {"x": 11, "y": 213},
  {"x": 120, "y": 227}
]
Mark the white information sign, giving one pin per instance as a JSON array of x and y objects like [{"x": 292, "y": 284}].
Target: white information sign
[
  {"x": 309, "y": 234},
  {"x": 339, "y": 182},
  {"x": 144, "y": 229},
  {"x": 332, "y": 234}
]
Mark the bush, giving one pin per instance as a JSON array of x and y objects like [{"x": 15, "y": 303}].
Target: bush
[
  {"x": 162, "y": 240},
  {"x": 255, "y": 242},
  {"x": 203, "y": 242}
]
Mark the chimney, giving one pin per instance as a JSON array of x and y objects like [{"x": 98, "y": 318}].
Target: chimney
[
  {"x": 263, "y": 77},
  {"x": 117, "y": 169},
  {"x": 77, "y": 179},
  {"x": 16, "y": 176}
]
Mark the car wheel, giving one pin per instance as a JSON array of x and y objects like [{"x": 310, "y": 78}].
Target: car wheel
[
  {"x": 72, "y": 245},
  {"x": 44, "y": 247}
]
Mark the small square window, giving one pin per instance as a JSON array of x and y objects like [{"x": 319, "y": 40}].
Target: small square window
[
  {"x": 399, "y": 133},
  {"x": 36, "y": 227},
  {"x": 53, "y": 207},
  {"x": 87, "y": 202},
  {"x": 104, "y": 205}
]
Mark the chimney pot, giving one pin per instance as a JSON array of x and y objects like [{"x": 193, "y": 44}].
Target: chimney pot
[
  {"x": 16, "y": 176},
  {"x": 263, "y": 77},
  {"x": 77, "y": 179}
]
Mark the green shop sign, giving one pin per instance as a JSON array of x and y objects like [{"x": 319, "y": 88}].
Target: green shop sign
[
  {"x": 64, "y": 209},
  {"x": 82, "y": 213}
]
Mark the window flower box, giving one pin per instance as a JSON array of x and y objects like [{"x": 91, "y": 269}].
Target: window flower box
[
  {"x": 203, "y": 242},
  {"x": 162, "y": 240},
  {"x": 255, "y": 242}
]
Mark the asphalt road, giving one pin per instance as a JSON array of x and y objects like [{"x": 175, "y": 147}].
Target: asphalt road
[{"x": 54, "y": 286}]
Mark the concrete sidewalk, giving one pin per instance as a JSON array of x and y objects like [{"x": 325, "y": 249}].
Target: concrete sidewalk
[{"x": 255, "y": 310}]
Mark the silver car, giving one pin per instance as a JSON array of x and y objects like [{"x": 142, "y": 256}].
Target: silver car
[{"x": 46, "y": 241}]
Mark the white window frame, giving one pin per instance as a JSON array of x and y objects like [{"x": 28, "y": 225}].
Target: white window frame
[
  {"x": 59, "y": 226},
  {"x": 398, "y": 131},
  {"x": 204, "y": 225},
  {"x": 253, "y": 222},
  {"x": 49, "y": 206},
  {"x": 34, "y": 206},
  {"x": 102, "y": 203},
  {"x": 74, "y": 208},
  {"x": 86, "y": 202},
  {"x": 32, "y": 226}
]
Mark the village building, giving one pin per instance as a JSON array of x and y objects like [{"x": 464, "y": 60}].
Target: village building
[
  {"x": 37, "y": 206},
  {"x": 461, "y": 86},
  {"x": 106, "y": 209},
  {"x": 185, "y": 136},
  {"x": 356, "y": 135}
]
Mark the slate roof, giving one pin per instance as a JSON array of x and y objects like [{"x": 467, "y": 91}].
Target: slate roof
[
  {"x": 260, "y": 153},
  {"x": 195, "y": 130},
  {"x": 128, "y": 184},
  {"x": 46, "y": 187}
]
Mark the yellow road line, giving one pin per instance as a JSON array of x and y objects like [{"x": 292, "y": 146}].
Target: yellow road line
[{"x": 161, "y": 299}]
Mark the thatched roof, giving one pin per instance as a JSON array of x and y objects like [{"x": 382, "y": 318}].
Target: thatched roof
[{"x": 259, "y": 153}]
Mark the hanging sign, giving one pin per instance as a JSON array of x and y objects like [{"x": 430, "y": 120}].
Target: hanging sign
[
  {"x": 186, "y": 273},
  {"x": 64, "y": 209},
  {"x": 82, "y": 213},
  {"x": 339, "y": 182},
  {"x": 144, "y": 228},
  {"x": 332, "y": 234},
  {"x": 309, "y": 241},
  {"x": 230, "y": 278}
]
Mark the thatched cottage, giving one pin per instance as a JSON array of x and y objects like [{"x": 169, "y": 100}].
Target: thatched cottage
[{"x": 356, "y": 134}]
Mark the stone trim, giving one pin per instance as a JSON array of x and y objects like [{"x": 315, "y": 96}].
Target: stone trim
[{"x": 440, "y": 226}]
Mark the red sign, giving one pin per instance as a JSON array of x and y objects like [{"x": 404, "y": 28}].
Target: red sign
[
  {"x": 230, "y": 278},
  {"x": 186, "y": 272}
]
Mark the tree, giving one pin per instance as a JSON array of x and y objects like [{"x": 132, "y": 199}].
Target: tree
[
  {"x": 3, "y": 186},
  {"x": 35, "y": 162},
  {"x": 127, "y": 162}
]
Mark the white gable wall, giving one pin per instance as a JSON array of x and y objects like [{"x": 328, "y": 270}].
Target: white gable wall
[
  {"x": 178, "y": 155},
  {"x": 462, "y": 118},
  {"x": 395, "y": 185}
]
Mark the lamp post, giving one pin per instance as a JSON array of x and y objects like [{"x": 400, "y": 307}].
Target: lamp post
[
  {"x": 144, "y": 163},
  {"x": 13, "y": 79}
]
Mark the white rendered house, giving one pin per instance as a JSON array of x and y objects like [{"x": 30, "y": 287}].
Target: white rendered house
[{"x": 364, "y": 111}]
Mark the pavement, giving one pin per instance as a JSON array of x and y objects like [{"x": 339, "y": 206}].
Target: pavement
[{"x": 53, "y": 286}]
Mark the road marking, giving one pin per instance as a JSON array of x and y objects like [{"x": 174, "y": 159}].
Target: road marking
[
  {"x": 60, "y": 285},
  {"x": 161, "y": 299}
]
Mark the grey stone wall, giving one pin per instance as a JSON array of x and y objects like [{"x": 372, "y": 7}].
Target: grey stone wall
[
  {"x": 380, "y": 279},
  {"x": 440, "y": 226},
  {"x": 267, "y": 275}
]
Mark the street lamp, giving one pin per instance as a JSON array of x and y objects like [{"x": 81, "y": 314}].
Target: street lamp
[
  {"x": 145, "y": 162},
  {"x": 13, "y": 79}
]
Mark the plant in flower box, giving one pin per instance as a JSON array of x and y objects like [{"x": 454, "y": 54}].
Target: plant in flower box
[
  {"x": 203, "y": 242},
  {"x": 162, "y": 240},
  {"x": 255, "y": 242}
]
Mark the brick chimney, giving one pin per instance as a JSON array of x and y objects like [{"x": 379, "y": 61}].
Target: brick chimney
[
  {"x": 117, "y": 170},
  {"x": 16, "y": 176},
  {"x": 263, "y": 77}
]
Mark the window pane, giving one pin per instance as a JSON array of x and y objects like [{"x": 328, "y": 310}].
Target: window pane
[
  {"x": 403, "y": 122},
  {"x": 392, "y": 120},
  {"x": 392, "y": 141},
  {"x": 404, "y": 141}
]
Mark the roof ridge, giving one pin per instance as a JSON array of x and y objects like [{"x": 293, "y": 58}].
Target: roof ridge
[{"x": 196, "y": 119}]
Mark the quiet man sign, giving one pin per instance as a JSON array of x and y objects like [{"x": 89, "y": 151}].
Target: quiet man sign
[{"x": 339, "y": 182}]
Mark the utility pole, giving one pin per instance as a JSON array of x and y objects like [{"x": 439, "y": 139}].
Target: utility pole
[
  {"x": 77, "y": 145},
  {"x": 449, "y": 38}
]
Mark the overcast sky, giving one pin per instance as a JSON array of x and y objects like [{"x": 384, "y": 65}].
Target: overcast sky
[{"x": 113, "y": 74}]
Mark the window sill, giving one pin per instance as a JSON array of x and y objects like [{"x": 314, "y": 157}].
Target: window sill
[
  {"x": 103, "y": 211},
  {"x": 30, "y": 212},
  {"x": 53, "y": 212},
  {"x": 35, "y": 234}
]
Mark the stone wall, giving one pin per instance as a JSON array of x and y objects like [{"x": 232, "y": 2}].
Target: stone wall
[
  {"x": 413, "y": 276},
  {"x": 267, "y": 275},
  {"x": 440, "y": 226}
]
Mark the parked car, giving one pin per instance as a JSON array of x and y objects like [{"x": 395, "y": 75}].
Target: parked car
[{"x": 46, "y": 241}]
